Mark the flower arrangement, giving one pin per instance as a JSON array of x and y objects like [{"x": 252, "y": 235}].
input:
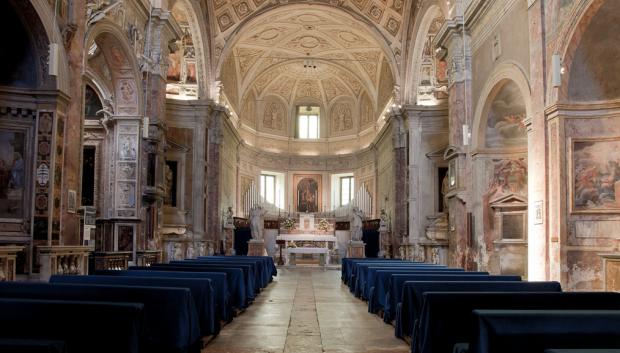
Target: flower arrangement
[
  {"x": 323, "y": 225},
  {"x": 288, "y": 224}
]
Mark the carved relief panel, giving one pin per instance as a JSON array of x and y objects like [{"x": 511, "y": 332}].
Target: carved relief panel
[
  {"x": 341, "y": 117},
  {"x": 274, "y": 115},
  {"x": 126, "y": 173}
]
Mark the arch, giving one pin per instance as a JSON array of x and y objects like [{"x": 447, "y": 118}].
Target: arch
[
  {"x": 257, "y": 18},
  {"x": 124, "y": 67},
  {"x": 589, "y": 79},
  {"x": 570, "y": 38},
  {"x": 506, "y": 72},
  {"x": 202, "y": 52},
  {"x": 412, "y": 71},
  {"x": 46, "y": 16}
]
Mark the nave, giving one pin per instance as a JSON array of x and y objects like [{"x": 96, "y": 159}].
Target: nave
[{"x": 307, "y": 310}]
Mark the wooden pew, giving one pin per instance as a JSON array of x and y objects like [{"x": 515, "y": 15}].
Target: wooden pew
[
  {"x": 396, "y": 284},
  {"x": 201, "y": 292},
  {"x": 93, "y": 327},
  {"x": 518, "y": 331},
  {"x": 234, "y": 276},
  {"x": 32, "y": 346},
  {"x": 378, "y": 283},
  {"x": 446, "y": 317},
  {"x": 411, "y": 305},
  {"x": 170, "y": 316},
  {"x": 223, "y": 308}
]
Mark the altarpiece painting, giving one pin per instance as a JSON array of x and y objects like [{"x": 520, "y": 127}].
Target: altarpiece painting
[{"x": 307, "y": 192}]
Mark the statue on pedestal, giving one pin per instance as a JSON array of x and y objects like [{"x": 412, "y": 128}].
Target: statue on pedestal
[
  {"x": 229, "y": 220},
  {"x": 256, "y": 222},
  {"x": 384, "y": 221},
  {"x": 356, "y": 224}
]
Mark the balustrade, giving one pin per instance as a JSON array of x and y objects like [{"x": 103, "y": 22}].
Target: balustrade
[
  {"x": 118, "y": 260},
  {"x": 63, "y": 260}
]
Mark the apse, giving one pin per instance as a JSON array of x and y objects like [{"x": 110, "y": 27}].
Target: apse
[{"x": 295, "y": 60}]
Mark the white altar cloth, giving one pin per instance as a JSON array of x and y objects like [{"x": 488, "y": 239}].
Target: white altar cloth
[
  {"x": 307, "y": 250},
  {"x": 292, "y": 252},
  {"x": 307, "y": 237}
]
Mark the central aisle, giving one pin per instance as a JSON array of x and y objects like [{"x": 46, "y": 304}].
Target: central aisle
[{"x": 307, "y": 310}]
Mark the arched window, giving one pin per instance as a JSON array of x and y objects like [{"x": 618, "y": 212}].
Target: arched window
[{"x": 308, "y": 123}]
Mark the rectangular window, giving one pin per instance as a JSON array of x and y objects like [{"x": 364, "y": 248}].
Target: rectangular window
[
  {"x": 346, "y": 190},
  {"x": 308, "y": 122},
  {"x": 268, "y": 187}
]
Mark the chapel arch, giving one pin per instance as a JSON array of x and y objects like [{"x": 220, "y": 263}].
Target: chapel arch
[
  {"x": 428, "y": 73},
  {"x": 112, "y": 72},
  {"x": 186, "y": 75},
  {"x": 501, "y": 141},
  {"x": 592, "y": 58},
  {"x": 32, "y": 127}
]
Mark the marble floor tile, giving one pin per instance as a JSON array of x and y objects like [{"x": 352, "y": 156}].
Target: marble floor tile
[{"x": 307, "y": 310}]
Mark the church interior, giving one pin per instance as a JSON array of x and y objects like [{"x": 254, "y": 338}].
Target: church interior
[{"x": 310, "y": 176}]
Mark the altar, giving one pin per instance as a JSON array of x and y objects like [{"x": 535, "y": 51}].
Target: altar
[{"x": 305, "y": 238}]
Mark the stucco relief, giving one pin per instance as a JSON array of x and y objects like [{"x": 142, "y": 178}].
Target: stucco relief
[
  {"x": 386, "y": 85},
  {"x": 247, "y": 58},
  {"x": 341, "y": 117},
  {"x": 333, "y": 88},
  {"x": 273, "y": 117},
  {"x": 308, "y": 88},
  {"x": 366, "y": 111},
  {"x": 248, "y": 113},
  {"x": 369, "y": 62}
]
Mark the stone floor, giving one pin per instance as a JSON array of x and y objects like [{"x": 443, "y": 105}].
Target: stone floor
[{"x": 307, "y": 310}]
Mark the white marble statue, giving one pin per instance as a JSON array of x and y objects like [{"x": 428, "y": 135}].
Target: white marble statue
[
  {"x": 356, "y": 224},
  {"x": 229, "y": 220},
  {"x": 256, "y": 222},
  {"x": 385, "y": 221}
]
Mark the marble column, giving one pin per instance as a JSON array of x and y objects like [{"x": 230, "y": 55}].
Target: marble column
[
  {"x": 198, "y": 176},
  {"x": 399, "y": 223},
  {"x": 71, "y": 182},
  {"x": 456, "y": 40},
  {"x": 427, "y": 131},
  {"x": 538, "y": 265},
  {"x": 213, "y": 176},
  {"x": 154, "y": 70}
]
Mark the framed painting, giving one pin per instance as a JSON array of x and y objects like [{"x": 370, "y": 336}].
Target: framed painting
[
  {"x": 594, "y": 173},
  {"x": 307, "y": 192},
  {"x": 14, "y": 173}
]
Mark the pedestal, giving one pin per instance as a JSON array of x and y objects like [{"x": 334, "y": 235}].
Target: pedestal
[
  {"x": 229, "y": 241},
  {"x": 386, "y": 244},
  {"x": 256, "y": 248},
  {"x": 356, "y": 249}
]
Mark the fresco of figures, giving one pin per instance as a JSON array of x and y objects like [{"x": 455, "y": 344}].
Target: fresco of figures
[
  {"x": 596, "y": 175},
  {"x": 505, "y": 127},
  {"x": 12, "y": 178}
]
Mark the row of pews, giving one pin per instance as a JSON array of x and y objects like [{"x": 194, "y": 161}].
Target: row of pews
[
  {"x": 164, "y": 308},
  {"x": 443, "y": 310}
]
